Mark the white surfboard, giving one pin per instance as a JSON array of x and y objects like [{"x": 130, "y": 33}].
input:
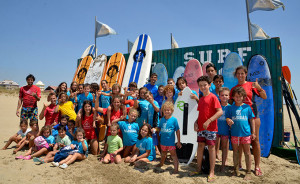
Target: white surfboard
[
  {"x": 185, "y": 111},
  {"x": 139, "y": 62},
  {"x": 95, "y": 71},
  {"x": 91, "y": 50}
]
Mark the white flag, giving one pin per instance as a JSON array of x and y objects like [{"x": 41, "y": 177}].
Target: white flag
[
  {"x": 258, "y": 32},
  {"x": 174, "y": 44},
  {"x": 130, "y": 45},
  {"x": 103, "y": 30},
  {"x": 266, "y": 5}
]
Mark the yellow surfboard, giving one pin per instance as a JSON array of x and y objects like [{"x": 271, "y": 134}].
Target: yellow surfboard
[
  {"x": 82, "y": 69},
  {"x": 114, "y": 70}
]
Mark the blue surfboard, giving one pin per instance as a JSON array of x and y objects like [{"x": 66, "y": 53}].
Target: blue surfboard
[
  {"x": 162, "y": 74},
  {"x": 232, "y": 61},
  {"x": 179, "y": 71},
  {"x": 258, "y": 69}
]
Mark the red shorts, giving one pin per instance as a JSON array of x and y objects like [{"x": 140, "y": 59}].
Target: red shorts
[
  {"x": 241, "y": 140},
  {"x": 167, "y": 148}
]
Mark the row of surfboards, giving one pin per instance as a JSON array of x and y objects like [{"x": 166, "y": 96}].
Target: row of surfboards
[{"x": 138, "y": 70}]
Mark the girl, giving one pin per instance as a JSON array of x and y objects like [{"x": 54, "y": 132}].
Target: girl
[
  {"x": 251, "y": 88},
  {"x": 238, "y": 117},
  {"x": 20, "y": 136},
  {"x": 113, "y": 147},
  {"x": 61, "y": 140},
  {"x": 44, "y": 148},
  {"x": 143, "y": 104},
  {"x": 130, "y": 131},
  {"x": 181, "y": 84},
  {"x": 62, "y": 87},
  {"x": 87, "y": 121},
  {"x": 223, "y": 128},
  {"x": 82, "y": 146},
  {"x": 168, "y": 125},
  {"x": 169, "y": 93},
  {"x": 84, "y": 96},
  {"x": 144, "y": 148},
  {"x": 65, "y": 107},
  {"x": 73, "y": 91}
]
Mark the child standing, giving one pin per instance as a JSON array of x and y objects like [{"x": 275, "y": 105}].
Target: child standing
[
  {"x": 20, "y": 136},
  {"x": 144, "y": 148},
  {"x": 206, "y": 125},
  {"x": 152, "y": 87},
  {"x": 168, "y": 125},
  {"x": 238, "y": 117},
  {"x": 160, "y": 95},
  {"x": 113, "y": 147},
  {"x": 223, "y": 128},
  {"x": 84, "y": 96}
]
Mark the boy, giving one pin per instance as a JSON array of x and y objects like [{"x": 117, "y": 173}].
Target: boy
[
  {"x": 151, "y": 86},
  {"x": 86, "y": 95},
  {"x": 51, "y": 118},
  {"x": 211, "y": 71},
  {"x": 172, "y": 82},
  {"x": 160, "y": 95},
  {"x": 206, "y": 125}
]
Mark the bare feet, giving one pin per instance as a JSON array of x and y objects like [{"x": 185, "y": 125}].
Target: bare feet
[
  {"x": 15, "y": 151},
  {"x": 248, "y": 176}
]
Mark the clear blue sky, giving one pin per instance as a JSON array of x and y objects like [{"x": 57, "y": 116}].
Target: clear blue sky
[{"x": 46, "y": 38}]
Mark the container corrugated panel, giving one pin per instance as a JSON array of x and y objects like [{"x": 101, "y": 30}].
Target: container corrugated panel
[{"x": 270, "y": 48}]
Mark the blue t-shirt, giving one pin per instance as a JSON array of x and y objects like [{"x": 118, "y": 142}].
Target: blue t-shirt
[
  {"x": 104, "y": 101},
  {"x": 146, "y": 144},
  {"x": 129, "y": 131},
  {"x": 167, "y": 131},
  {"x": 80, "y": 148},
  {"x": 223, "y": 128},
  {"x": 55, "y": 130},
  {"x": 81, "y": 98},
  {"x": 152, "y": 88},
  {"x": 71, "y": 99},
  {"x": 70, "y": 135},
  {"x": 50, "y": 139},
  {"x": 240, "y": 115},
  {"x": 144, "y": 105},
  {"x": 151, "y": 113},
  {"x": 159, "y": 99}
]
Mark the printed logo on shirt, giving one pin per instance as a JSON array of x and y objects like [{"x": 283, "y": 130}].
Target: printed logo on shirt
[
  {"x": 141, "y": 148},
  {"x": 164, "y": 128},
  {"x": 239, "y": 118}
]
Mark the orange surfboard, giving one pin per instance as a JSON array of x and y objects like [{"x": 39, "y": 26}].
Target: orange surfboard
[
  {"x": 114, "y": 70},
  {"x": 82, "y": 69}
]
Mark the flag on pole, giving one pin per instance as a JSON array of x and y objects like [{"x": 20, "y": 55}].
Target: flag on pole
[
  {"x": 174, "y": 44},
  {"x": 257, "y": 32},
  {"x": 103, "y": 30},
  {"x": 266, "y": 5},
  {"x": 130, "y": 45}
]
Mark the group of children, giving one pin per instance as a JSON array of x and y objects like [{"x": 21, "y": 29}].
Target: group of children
[{"x": 139, "y": 123}]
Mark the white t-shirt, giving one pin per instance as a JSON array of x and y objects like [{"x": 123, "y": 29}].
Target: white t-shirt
[{"x": 23, "y": 134}]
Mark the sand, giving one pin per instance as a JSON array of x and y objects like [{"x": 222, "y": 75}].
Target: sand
[{"x": 276, "y": 169}]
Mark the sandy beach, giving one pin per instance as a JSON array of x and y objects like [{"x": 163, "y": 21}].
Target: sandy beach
[{"x": 275, "y": 169}]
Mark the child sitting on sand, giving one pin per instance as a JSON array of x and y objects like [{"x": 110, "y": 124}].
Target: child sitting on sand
[
  {"x": 20, "y": 136},
  {"x": 82, "y": 146},
  {"x": 168, "y": 125}
]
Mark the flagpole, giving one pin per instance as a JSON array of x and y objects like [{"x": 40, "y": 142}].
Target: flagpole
[
  {"x": 171, "y": 40},
  {"x": 248, "y": 20},
  {"x": 95, "y": 35}
]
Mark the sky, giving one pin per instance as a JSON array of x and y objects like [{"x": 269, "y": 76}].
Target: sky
[{"x": 46, "y": 38}]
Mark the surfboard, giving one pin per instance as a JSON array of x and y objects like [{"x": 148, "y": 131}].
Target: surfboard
[
  {"x": 91, "y": 50},
  {"x": 204, "y": 68},
  {"x": 179, "y": 71},
  {"x": 82, "y": 69},
  {"x": 232, "y": 61},
  {"x": 192, "y": 72},
  {"x": 95, "y": 71},
  {"x": 162, "y": 74},
  {"x": 139, "y": 62},
  {"x": 185, "y": 111},
  {"x": 114, "y": 70},
  {"x": 258, "y": 69}
]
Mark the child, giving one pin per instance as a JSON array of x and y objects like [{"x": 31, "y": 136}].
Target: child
[
  {"x": 82, "y": 146},
  {"x": 46, "y": 143},
  {"x": 169, "y": 93},
  {"x": 160, "y": 95},
  {"x": 172, "y": 82},
  {"x": 218, "y": 82},
  {"x": 84, "y": 96},
  {"x": 71, "y": 129},
  {"x": 181, "y": 84},
  {"x": 238, "y": 117},
  {"x": 211, "y": 71},
  {"x": 152, "y": 87},
  {"x": 223, "y": 128},
  {"x": 206, "y": 125},
  {"x": 143, "y": 104},
  {"x": 168, "y": 125},
  {"x": 51, "y": 117},
  {"x": 130, "y": 131},
  {"x": 63, "y": 122},
  {"x": 20, "y": 136},
  {"x": 104, "y": 100},
  {"x": 87, "y": 121},
  {"x": 73, "y": 91},
  {"x": 61, "y": 141},
  {"x": 31, "y": 135},
  {"x": 113, "y": 146},
  {"x": 144, "y": 148},
  {"x": 65, "y": 107}
]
